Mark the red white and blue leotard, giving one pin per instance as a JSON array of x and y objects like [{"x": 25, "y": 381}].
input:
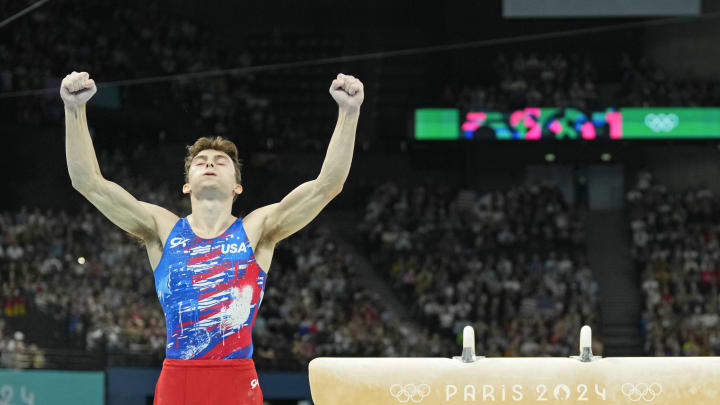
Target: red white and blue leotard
[{"x": 210, "y": 291}]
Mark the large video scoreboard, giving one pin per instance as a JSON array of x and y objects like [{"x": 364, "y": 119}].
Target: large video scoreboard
[{"x": 568, "y": 123}]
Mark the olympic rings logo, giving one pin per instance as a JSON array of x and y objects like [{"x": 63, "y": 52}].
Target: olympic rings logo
[
  {"x": 662, "y": 122},
  {"x": 409, "y": 392},
  {"x": 636, "y": 392}
]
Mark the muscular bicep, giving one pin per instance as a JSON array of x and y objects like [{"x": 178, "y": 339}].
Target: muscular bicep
[
  {"x": 296, "y": 210},
  {"x": 121, "y": 208}
]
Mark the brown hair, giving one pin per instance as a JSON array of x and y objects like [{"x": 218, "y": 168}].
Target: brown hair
[{"x": 217, "y": 143}]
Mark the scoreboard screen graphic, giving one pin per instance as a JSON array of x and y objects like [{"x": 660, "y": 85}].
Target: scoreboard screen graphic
[{"x": 534, "y": 123}]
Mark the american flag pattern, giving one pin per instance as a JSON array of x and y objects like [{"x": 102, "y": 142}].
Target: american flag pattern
[{"x": 210, "y": 291}]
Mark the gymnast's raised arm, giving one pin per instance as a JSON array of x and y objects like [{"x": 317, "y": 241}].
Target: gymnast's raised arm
[
  {"x": 305, "y": 202},
  {"x": 133, "y": 216}
]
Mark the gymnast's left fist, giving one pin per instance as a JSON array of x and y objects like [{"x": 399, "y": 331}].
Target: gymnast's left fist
[{"x": 347, "y": 91}]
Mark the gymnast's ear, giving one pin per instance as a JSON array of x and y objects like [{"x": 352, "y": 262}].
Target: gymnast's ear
[{"x": 186, "y": 189}]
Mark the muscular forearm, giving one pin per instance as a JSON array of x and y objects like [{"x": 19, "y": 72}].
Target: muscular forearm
[
  {"x": 336, "y": 166},
  {"x": 81, "y": 160}
]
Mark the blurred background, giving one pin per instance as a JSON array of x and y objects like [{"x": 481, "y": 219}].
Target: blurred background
[{"x": 524, "y": 167}]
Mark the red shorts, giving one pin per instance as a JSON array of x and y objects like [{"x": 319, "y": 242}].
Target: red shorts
[{"x": 208, "y": 382}]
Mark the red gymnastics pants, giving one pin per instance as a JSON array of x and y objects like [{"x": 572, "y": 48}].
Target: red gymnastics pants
[{"x": 208, "y": 382}]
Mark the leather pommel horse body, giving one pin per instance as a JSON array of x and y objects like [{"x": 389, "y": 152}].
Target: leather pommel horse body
[{"x": 583, "y": 379}]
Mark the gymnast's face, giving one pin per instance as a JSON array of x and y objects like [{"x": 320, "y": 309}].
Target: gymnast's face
[{"x": 212, "y": 171}]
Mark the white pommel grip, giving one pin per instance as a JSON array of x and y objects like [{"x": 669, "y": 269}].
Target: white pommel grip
[
  {"x": 585, "y": 338},
  {"x": 469, "y": 338},
  {"x": 468, "y": 353},
  {"x": 586, "y": 355}
]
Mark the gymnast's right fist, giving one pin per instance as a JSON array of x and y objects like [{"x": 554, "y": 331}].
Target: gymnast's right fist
[{"x": 76, "y": 89}]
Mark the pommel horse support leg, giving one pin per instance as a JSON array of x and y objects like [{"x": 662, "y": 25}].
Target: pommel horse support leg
[{"x": 467, "y": 379}]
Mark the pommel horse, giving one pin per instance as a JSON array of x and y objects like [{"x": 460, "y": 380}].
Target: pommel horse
[{"x": 469, "y": 379}]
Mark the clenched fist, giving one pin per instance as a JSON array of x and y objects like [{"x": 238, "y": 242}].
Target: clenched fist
[
  {"x": 76, "y": 89},
  {"x": 347, "y": 91}
]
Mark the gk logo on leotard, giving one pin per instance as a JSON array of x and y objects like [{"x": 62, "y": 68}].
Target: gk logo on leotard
[
  {"x": 409, "y": 392},
  {"x": 175, "y": 242},
  {"x": 253, "y": 383}
]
